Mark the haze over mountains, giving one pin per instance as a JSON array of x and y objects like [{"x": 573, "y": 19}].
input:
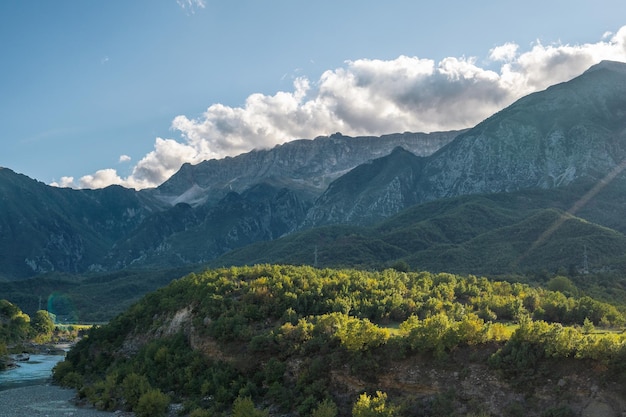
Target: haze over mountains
[{"x": 568, "y": 139}]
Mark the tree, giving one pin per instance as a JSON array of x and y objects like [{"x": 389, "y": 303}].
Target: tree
[
  {"x": 588, "y": 326},
  {"x": 376, "y": 406},
  {"x": 133, "y": 387},
  {"x": 326, "y": 408},
  {"x": 3, "y": 355},
  {"x": 436, "y": 334},
  {"x": 562, "y": 284},
  {"x": 244, "y": 407},
  {"x": 357, "y": 334},
  {"x": 152, "y": 404},
  {"x": 42, "y": 324}
]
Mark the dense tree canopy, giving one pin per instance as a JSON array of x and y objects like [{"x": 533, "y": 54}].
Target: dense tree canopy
[{"x": 274, "y": 334}]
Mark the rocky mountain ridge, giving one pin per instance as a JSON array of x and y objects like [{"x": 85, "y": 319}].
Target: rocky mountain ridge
[
  {"x": 306, "y": 166},
  {"x": 570, "y": 133},
  {"x": 218, "y": 205}
]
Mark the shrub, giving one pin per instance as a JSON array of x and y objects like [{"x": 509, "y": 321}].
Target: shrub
[
  {"x": 133, "y": 387},
  {"x": 244, "y": 407},
  {"x": 198, "y": 412},
  {"x": 152, "y": 404},
  {"x": 326, "y": 408},
  {"x": 367, "y": 406}
]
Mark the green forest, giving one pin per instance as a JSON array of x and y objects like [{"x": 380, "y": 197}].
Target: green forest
[
  {"x": 18, "y": 328},
  {"x": 277, "y": 339}
]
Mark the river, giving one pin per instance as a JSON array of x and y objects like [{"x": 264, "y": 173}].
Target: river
[
  {"x": 35, "y": 371},
  {"x": 26, "y": 391}
]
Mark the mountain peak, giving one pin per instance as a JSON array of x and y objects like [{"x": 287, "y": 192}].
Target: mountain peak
[{"x": 615, "y": 66}]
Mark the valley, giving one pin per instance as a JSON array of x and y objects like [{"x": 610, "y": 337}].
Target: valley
[{"x": 478, "y": 272}]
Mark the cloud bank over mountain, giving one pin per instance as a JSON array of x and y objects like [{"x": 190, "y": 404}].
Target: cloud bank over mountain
[{"x": 366, "y": 97}]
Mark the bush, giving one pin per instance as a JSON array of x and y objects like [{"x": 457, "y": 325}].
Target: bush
[
  {"x": 133, "y": 387},
  {"x": 326, "y": 408},
  {"x": 376, "y": 406},
  {"x": 198, "y": 412},
  {"x": 152, "y": 404},
  {"x": 244, "y": 407}
]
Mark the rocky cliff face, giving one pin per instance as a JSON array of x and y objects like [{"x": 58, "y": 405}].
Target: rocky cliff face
[
  {"x": 574, "y": 131},
  {"x": 570, "y": 131},
  {"x": 307, "y": 166}
]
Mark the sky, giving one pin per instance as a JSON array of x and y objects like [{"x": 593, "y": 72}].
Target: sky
[{"x": 94, "y": 93}]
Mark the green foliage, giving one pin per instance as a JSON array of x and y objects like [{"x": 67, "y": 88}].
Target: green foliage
[
  {"x": 536, "y": 341},
  {"x": 588, "y": 326},
  {"x": 134, "y": 386},
  {"x": 4, "y": 360},
  {"x": 373, "y": 406},
  {"x": 42, "y": 325},
  {"x": 563, "y": 285},
  {"x": 198, "y": 412},
  {"x": 64, "y": 374},
  {"x": 326, "y": 408},
  {"x": 486, "y": 234},
  {"x": 244, "y": 407},
  {"x": 152, "y": 403},
  {"x": 104, "y": 394},
  {"x": 276, "y": 334},
  {"x": 440, "y": 334},
  {"x": 14, "y": 324}
]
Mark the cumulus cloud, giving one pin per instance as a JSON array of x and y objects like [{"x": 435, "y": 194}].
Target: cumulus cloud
[
  {"x": 368, "y": 97},
  {"x": 506, "y": 52},
  {"x": 102, "y": 178},
  {"x": 124, "y": 158},
  {"x": 64, "y": 182}
]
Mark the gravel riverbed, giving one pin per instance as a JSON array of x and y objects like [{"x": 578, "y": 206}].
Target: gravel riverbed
[{"x": 44, "y": 400}]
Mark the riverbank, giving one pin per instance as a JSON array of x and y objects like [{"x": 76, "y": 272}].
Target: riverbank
[{"x": 44, "y": 400}]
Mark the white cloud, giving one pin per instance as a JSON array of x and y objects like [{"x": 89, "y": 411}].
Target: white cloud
[
  {"x": 368, "y": 97},
  {"x": 506, "y": 52},
  {"x": 124, "y": 158},
  {"x": 102, "y": 178},
  {"x": 64, "y": 182},
  {"x": 190, "y": 6}
]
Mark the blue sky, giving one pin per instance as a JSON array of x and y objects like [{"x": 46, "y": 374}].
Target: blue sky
[{"x": 100, "y": 92}]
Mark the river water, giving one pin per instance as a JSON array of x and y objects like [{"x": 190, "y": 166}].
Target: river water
[
  {"x": 36, "y": 371},
  {"x": 26, "y": 391}
]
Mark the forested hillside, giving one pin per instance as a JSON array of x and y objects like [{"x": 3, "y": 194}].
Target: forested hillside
[{"x": 301, "y": 341}]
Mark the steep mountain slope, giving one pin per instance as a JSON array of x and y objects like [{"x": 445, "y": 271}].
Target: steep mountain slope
[
  {"x": 502, "y": 233},
  {"x": 45, "y": 229},
  {"x": 307, "y": 166},
  {"x": 572, "y": 131},
  {"x": 570, "y": 138},
  {"x": 200, "y": 213},
  {"x": 187, "y": 235},
  {"x": 371, "y": 192}
]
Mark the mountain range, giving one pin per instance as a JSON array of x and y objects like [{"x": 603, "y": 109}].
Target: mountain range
[{"x": 538, "y": 185}]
